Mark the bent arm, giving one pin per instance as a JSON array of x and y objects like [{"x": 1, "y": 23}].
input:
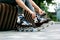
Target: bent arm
[{"x": 35, "y": 6}]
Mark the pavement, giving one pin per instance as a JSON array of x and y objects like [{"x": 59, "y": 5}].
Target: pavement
[{"x": 49, "y": 33}]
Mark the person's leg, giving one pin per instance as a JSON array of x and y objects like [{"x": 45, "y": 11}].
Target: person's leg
[
  {"x": 20, "y": 10},
  {"x": 29, "y": 5}
]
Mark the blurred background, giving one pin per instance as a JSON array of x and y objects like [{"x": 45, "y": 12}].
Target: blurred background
[{"x": 51, "y": 7}]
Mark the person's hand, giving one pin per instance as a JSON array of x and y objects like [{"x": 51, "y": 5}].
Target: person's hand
[
  {"x": 41, "y": 12},
  {"x": 33, "y": 14}
]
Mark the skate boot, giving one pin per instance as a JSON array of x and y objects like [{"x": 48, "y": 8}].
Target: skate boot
[{"x": 41, "y": 20}]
